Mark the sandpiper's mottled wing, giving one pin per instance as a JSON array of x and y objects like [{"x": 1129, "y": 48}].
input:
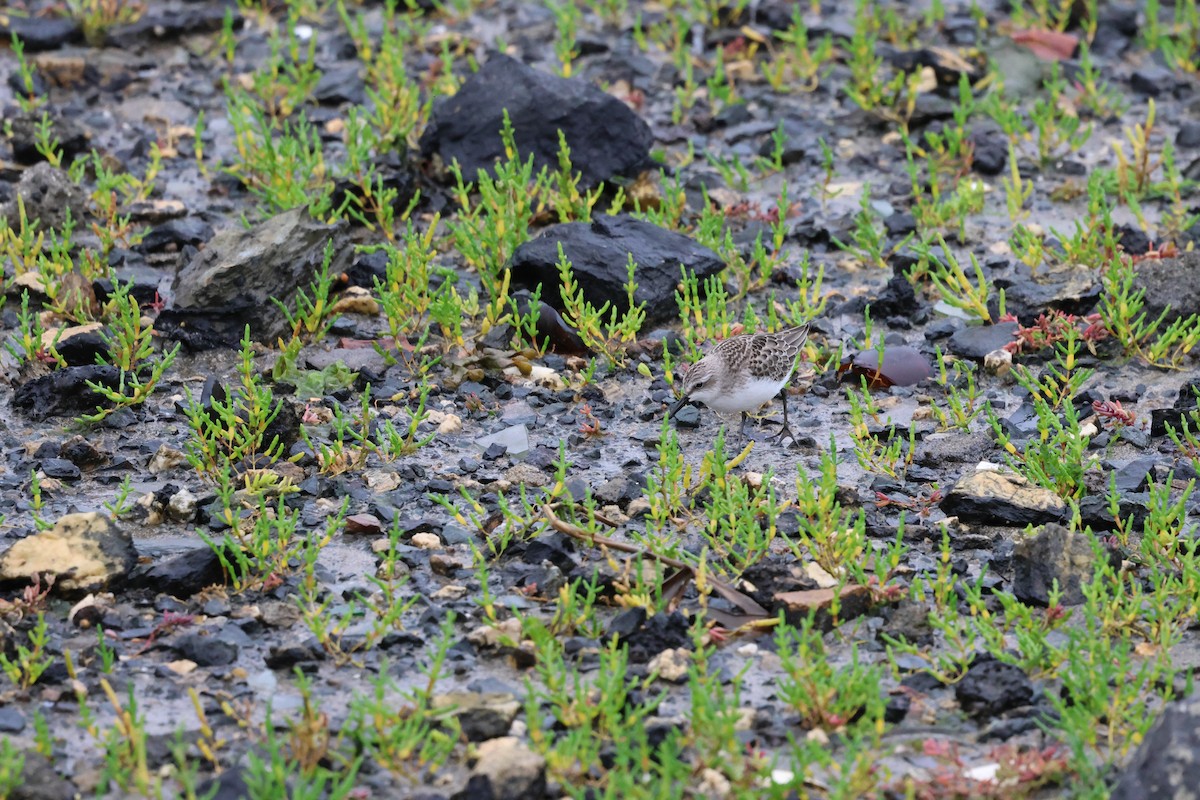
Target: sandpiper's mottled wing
[
  {"x": 773, "y": 355},
  {"x": 733, "y": 351}
]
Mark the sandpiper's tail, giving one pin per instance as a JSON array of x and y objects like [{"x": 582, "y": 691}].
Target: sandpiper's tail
[{"x": 793, "y": 339}]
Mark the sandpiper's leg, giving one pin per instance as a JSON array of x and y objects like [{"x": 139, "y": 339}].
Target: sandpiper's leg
[
  {"x": 785, "y": 430},
  {"x": 742, "y": 429}
]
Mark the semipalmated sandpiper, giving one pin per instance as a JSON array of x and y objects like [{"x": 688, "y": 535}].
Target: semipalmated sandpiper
[{"x": 742, "y": 373}]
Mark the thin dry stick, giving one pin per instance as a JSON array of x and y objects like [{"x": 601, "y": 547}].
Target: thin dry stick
[{"x": 742, "y": 601}]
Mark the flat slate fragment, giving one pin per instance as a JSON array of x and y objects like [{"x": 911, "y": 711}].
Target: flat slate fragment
[{"x": 994, "y": 498}]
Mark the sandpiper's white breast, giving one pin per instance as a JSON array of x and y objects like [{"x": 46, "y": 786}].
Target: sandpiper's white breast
[{"x": 746, "y": 397}]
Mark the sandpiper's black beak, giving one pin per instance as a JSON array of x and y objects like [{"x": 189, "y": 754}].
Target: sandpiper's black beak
[{"x": 673, "y": 409}]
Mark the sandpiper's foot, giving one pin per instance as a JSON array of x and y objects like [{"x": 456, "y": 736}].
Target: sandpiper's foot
[
  {"x": 784, "y": 433},
  {"x": 785, "y": 430}
]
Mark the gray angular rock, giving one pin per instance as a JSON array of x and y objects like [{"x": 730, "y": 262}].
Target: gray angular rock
[
  {"x": 940, "y": 449},
  {"x": 1054, "y": 554},
  {"x": 1170, "y": 283},
  {"x": 83, "y": 552},
  {"x": 48, "y": 193},
  {"x": 40, "y": 781},
  {"x": 206, "y": 650},
  {"x": 1072, "y": 292},
  {"x": 605, "y": 136},
  {"x": 599, "y": 251},
  {"x": 243, "y": 269},
  {"x": 1167, "y": 765},
  {"x": 976, "y": 341}
]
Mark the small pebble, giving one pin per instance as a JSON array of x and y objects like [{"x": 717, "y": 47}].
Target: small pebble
[{"x": 427, "y": 541}]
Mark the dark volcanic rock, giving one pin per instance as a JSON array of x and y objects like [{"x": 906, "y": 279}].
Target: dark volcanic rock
[
  {"x": 11, "y": 720},
  {"x": 1054, "y": 554},
  {"x": 909, "y": 622},
  {"x": 80, "y": 452},
  {"x": 994, "y": 498},
  {"x": 1170, "y": 283},
  {"x": 244, "y": 269},
  {"x": 1152, "y": 80},
  {"x": 207, "y": 328},
  {"x": 898, "y": 299},
  {"x": 181, "y": 575},
  {"x": 606, "y": 138},
  {"x": 206, "y": 650},
  {"x": 599, "y": 252},
  {"x": 60, "y": 468},
  {"x": 991, "y": 152},
  {"x": 481, "y": 716},
  {"x": 1134, "y": 476},
  {"x": 647, "y": 637},
  {"x": 1167, "y": 764},
  {"x": 940, "y": 449},
  {"x": 177, "y": 232},
  {"x": 65, "y": 392},
  {"x": 1186, "y": 403},
  {"x": 81, "y": 349},
  {"x": 1189, "y": 135},
  {"x": 1131, "y": 509},
  {"x": 992, "y": 687},
  {"x": 287, "y": 656}
]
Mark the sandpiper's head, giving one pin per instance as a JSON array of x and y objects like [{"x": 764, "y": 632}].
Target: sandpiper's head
[{"x": 700, "y": 383}]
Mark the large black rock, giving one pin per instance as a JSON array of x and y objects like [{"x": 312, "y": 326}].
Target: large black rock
[
  {"x": 992, "y": 687},
  {"x": 65, "y": 392},
  {"x": 181, "y": 575},
  {"x": 599, "y": 251},
  {"x": 606, "y": 137}
]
